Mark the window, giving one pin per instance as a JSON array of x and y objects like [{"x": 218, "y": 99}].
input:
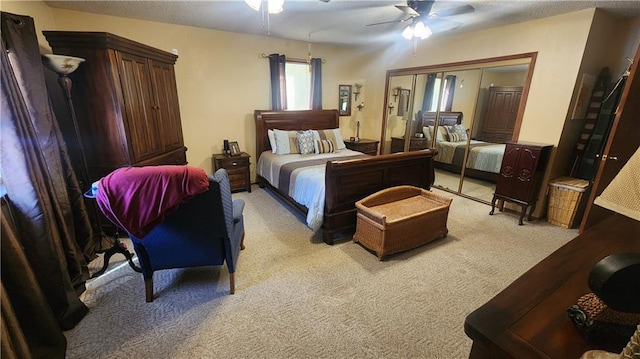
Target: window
[
  {"x": 298, "y": 85},
  {"x": 446, "y": 95}
]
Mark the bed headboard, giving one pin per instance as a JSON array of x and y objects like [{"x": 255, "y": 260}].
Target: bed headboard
[
  {"x": 291, "y": 120},
  {"x": 446, "y": 118}
]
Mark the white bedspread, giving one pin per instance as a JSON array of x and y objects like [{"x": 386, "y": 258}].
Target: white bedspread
[
  {"x": 307, "y": 184},
  {"x": 484, "y": 158}
]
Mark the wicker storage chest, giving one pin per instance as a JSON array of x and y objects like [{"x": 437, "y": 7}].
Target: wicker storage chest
[
  {"x": 400, "y": 218},
  {"x": 565, "y": 194}
]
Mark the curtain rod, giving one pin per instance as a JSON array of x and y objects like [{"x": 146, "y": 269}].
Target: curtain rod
[{"x": 265, "y": 56}]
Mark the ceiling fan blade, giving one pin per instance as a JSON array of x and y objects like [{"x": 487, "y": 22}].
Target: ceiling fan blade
[
  {"x": 441, "y": 25},
  {"x": 389, "y": 22},
  {"x": 407, "y": 10},
  {"x": 452, "y": 11}
]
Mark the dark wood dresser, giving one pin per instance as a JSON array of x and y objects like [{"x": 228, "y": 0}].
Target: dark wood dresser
[
  {"x": 238, "y": 169},
  {"x": 415, "y": 144},
  {"x": 520, "y": 177},
  {"x": 528, "y": 319},
  {"x": 364, "y": 145}
]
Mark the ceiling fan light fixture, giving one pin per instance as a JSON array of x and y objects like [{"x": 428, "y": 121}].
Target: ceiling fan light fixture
[
  {"x": 421, "y": 30},
  {"x": 407, "y": 33},
  {"x": 275, "y": 6},
  {"x": 254, "y": 4}
]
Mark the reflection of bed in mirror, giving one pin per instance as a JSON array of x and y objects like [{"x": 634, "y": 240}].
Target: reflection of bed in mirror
[{"x": 484, "y": 158}]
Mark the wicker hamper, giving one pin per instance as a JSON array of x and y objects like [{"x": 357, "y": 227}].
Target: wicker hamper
[
  {"x": 565, "y": 194},
  {"x": 400, "y": 218}
]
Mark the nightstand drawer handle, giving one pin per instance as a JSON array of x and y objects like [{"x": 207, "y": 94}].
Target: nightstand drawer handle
[{"x": 234, "y": 164}]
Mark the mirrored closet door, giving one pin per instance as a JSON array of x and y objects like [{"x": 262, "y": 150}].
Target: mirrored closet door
[{"x": 467, "y": 111}]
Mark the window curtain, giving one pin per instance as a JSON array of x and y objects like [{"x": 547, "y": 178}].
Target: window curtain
[
  {"x": 429, "y": 89},
  {"x": 277, "y": 64},
  {"x": 316, "y": 84},
  {"x": 47, "y": 239},
  {"x": 450, "y": 88}
]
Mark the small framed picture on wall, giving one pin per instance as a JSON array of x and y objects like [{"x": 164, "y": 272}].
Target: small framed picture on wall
[{"x": 234, "y": 148}]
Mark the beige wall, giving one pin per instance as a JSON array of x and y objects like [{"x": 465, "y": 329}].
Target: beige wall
[{"x": 220, "y": 77}]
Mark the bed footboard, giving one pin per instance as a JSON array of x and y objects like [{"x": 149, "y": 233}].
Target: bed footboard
[{"x": 348, "y": 181}]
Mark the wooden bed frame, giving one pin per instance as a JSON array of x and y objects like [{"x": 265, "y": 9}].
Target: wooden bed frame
[
  {"x": 346, "y": 181},
  {"x": 449, "y": 119}
]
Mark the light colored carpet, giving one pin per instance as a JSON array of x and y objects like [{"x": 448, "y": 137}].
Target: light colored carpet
[
  {"x": 472, "y": 187},
  {"x": 297, "y": 297}
]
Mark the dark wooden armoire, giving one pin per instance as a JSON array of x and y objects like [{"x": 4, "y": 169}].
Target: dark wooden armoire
[
  {"x": 501, "y": 113},
  {"x": 126, "y": 101}
]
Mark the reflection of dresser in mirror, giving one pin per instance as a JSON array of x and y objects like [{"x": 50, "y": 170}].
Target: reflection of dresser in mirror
[{"x": 500, "y": 111}]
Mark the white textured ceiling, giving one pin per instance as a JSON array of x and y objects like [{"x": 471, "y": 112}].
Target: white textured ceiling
[{"x": 339, "y": 22}]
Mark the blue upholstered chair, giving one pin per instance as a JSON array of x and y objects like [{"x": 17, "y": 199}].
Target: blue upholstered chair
[{"x": 206, "y": 230}]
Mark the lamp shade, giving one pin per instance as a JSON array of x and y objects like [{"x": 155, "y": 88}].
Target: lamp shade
[
  {"x": 61, "y": 64},
  {"x": 622, "y": 195}
]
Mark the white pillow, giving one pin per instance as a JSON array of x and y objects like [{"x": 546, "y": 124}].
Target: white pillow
[
  {"x": 272, "y": 140},
  {"x": 286, "y": 142},
  {"x": 442, "y": 133},
  {"x": 427, "y": 133}
]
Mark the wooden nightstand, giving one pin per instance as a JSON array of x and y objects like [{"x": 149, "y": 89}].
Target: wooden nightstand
[
  {"x": 415, "y": 144},
  {"x": 238, "y": 169},
  {"x": 367, "y": 146}
]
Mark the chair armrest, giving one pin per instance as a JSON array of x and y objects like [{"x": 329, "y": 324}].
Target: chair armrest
[{"x": 238, "y": 207}]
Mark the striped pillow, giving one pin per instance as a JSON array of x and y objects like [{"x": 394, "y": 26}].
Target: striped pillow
[
  {"x": 324, "y": 146},
  {"x": 333, "y": 134}
]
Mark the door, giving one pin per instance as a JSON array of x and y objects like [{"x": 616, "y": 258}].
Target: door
[
  {"x": 502, "y": 111},
  {"x": 622, "y": 142}
]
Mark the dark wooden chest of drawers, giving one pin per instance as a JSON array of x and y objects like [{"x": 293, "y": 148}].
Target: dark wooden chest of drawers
[
  {"x": 520, "y": 176},
  {"x": 238, "y": 169}
]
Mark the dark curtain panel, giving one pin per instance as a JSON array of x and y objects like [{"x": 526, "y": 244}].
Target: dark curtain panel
[
  {"x": 429, "y": 89},
  {"x": 49, "y": 221},
  {"x": 449, "y": 90},
  {"x": 277, "y": 64},
  {"x": 316, "y": 84}
]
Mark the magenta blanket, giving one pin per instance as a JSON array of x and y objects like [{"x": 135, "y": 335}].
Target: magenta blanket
[{"x": 139, "y": 198}]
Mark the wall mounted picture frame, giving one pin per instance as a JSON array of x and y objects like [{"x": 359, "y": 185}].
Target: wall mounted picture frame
[
  {"x": 344, "y": 100},
  {"x": 234, "y": 148}
]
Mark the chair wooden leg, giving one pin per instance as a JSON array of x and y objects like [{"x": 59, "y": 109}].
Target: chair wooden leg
[
  {"x": 148, "y": 289},
  {"x": 242, "y": 241},
  {"x": 232, "y": 283}
]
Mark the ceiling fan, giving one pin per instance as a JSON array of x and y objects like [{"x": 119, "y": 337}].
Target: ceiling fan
[
  {"x": 424, "y": 22},
  {"x": 272, "y": 6}
]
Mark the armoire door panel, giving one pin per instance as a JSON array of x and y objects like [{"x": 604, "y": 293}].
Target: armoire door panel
[
  {"x": 508, "y": 171},
  {"x": 142, "y": 125},
  {"x": 527, "y": 163},
  {"x": 167, "y": 109}
]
